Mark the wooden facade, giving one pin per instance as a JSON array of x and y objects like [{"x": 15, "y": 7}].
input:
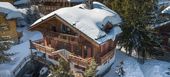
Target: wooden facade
[
  {"x": 11, "y": 1},
  {"x": 47, "y": 6},
  {"x": 61, "y": 35},
  {"x": 164, "y": 30},
  {"x": 8, "y": 28}
]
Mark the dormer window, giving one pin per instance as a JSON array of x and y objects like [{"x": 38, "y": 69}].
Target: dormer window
[{"x": 108, "y": 27}]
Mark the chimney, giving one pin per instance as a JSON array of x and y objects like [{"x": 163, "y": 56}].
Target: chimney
[{"x": 89, "y": 4}]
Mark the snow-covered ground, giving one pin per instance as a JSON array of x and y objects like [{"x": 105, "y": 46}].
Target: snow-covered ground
[
  {"x": 21, "y": 52},
  {"x": 151, "y": 68}
]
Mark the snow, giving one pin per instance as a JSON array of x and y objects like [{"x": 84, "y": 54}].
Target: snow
[
  {"x": 21, "y": 2},
  {"x": 89, "y": 21},
  {"x": 163, "y": 3},
  {"x": 10, "y": 10},
  {"x": 166, "y": 10},
  {"x": 22, "y": 53},
  {"x": 155, "y": 68},
  {"x": 132, "y": 68},
  {"x": 76, "y": 0}
]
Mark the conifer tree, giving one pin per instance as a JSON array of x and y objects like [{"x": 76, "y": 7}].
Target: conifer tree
[
  {"x": 91, "y": 69},
  {"x": 4, "y": 45},
  {"x": 138, "y": 35},
  {"x": 63, "y": 70}
]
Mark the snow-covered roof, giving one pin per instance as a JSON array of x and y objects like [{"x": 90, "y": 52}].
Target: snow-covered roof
[
  {"x": 76, "y": 0},
  {"x": 89, "y": 21},
  {"x": 10, "y": 10},
  {"x": 166, "y": 10},
  {"x": 21, "y": 2},
  {"x": 161, "y": 24},
  {"x": 163, "y": 3}
]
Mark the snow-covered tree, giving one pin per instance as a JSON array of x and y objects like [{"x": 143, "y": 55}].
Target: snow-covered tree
[
  {"x": 32, "y": 14},
  {"x": 4, "y": 45},
  {"x": 91, "y": 69},
  {"x": 138, "y": 16},
  {"x": 63, "y": 70}
]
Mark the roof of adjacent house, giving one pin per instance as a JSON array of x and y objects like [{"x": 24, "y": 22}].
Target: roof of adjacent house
[
  {"x": 76, "y": 0},
  {"x": 166, "y": 10},
  {"x": 19, "y": 2},
  {"x": 10, "y": 10},
  {"x": 91, "y": 22}
]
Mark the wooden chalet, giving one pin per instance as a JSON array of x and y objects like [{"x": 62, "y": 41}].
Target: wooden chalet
[
  {"x": 78, "y": 36},
  {"x": 48, "y": 6},
  {"x": 8, "y": 21}
]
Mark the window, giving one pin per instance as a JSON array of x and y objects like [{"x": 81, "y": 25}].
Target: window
[
  {"x": 168, "y": 41},
  {"x": 53, "y": 28},
  {"x": 65, "y": 29},
  {"x": 85, "y": 51},
  {"x": 4, "y": 27}
]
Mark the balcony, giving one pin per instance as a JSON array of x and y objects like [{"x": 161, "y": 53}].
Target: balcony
[
  {"x": 79, "y": 61},
  {"x": 67, "y": 38},
  {"x": 39, "y": 45},
  {"x": 107, "y": 56}
]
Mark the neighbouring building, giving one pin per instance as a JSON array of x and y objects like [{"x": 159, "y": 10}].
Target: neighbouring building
[
  {"x": 78, "y": 34},
  {"x": 8, "y": 18},
  {"x": 11, "y": 1},
  {"x": 47, "y": 6}
]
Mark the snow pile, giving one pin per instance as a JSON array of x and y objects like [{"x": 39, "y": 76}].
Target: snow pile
[
  {"x": 21, "y": 56},
  {"x": 89, "y": 21},
  {"x": 151, "y": 68},
  {"x": 166, "y": 10},
  {"x": 28, "y": 34},
  {"x": 10, "y": 10},
  {"x": 21, "y": 2}
]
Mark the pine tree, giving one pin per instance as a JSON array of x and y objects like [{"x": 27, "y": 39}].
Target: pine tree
[
  {"x": 91, "y": 70},
  {"x": 4, "y": 45},
  {"x": 63, "y": 70},
  {"x": 138, "y": 16}
]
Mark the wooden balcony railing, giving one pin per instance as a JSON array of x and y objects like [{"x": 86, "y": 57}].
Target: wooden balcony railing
[
  {"x": 79, "y": 61},
  {"x": 48, "y": 9},
  {"x": 63, "y": 37},
  {"x": 40, "y": 46},
  {"x": 107, "y": 56}
]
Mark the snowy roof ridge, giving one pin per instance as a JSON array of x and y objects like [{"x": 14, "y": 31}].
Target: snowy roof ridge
[
  {"x": 89, "y": 21},
  {"x": 10, "y": 10},
  {"x": 166, "y": 10}
]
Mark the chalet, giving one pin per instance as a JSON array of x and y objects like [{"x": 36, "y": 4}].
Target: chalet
[
  {"x": 11, "y": 1},
  {"x": 8, "y": 18},
  {"x": 47, "y": 6},
  {"x": 79, "y": 33}
]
